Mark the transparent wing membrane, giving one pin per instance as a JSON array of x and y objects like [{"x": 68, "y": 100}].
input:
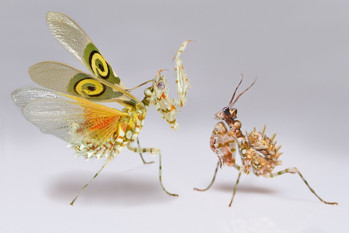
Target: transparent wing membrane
[
  {"x": 24, "y": 96},
  {"x": 75, "y": 40},
  {"x": 69, "y": 111},
  {"x": 71, "y": 119},
  {"x": 66, "y": 79}
]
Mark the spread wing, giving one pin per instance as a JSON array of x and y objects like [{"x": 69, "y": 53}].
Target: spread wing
[
  {"x": 72, "y": 119},
  {"x": 66, "y": 79},
  {"x": 75, "y": 40}
]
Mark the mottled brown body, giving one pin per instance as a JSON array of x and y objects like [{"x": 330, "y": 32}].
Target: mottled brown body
[
  {"x": 258, "y": 152},
  {"x": 223, "y": 145}
]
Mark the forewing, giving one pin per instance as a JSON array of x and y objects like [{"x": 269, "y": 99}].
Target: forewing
[
  {"x": 66, "y": 79},
  {"x": 223, "y": 144},
  {"x": 76, "y": 41},
  {"x": 75, "y": 120}
]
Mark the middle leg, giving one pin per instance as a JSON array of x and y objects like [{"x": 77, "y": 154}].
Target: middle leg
[
  {"x": 140, "y": 154},
  {"x": 212, "y": 181},
  {"x": 294, "y": 170},
  {"x": 153, "y": 151},
  {"x": 235, "y": 188}
]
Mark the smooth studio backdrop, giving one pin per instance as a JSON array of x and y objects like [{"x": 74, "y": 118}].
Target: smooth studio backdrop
[{"x": 299, "y": 50}]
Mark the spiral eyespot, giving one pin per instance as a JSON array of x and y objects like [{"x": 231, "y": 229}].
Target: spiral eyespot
[
  {"x": 99, "y": 65},
  {"x": 89, "y": 87}
]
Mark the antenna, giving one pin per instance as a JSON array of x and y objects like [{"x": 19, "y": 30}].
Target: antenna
[
  {"x": 231, "y": 104},
  {"x": 232, "y": 98}
]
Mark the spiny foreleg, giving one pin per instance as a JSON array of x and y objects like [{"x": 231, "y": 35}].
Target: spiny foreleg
[
  {"x": 182, "y": 82},
  {"x": 165, "y": 105},
  {"x": 294, "y": 170}
]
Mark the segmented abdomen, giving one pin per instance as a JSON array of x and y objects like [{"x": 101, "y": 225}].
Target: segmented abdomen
[
  {"x": 127, "y": 131},
  {"x": 266, "y": 154}
]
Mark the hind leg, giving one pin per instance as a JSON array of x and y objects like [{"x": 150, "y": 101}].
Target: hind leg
[
  {"x": 294, "y": 170},
  {"x": 109, "y": 159}
]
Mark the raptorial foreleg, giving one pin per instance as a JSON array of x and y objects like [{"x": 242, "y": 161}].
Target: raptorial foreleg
[{"x": 182, "y": 82}]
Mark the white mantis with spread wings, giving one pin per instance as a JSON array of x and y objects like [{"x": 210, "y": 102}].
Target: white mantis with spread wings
[{"x": 69, "y": 109}]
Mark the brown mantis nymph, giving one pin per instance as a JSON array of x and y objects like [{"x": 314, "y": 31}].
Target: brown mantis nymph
[{"x": 259, "y": 153}]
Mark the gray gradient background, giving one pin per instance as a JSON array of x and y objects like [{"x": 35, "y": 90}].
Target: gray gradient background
[{"x": 299, "y": 50}]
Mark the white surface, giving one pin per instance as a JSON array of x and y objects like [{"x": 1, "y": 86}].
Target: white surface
[{"x": 298, "y": 50}]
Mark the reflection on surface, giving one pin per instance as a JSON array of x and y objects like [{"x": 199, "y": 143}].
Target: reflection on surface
[
  {"x": 293, "y": 218},
  {"x": 109, "y": 189},
  {"x": 259, "y": 225},
  {"x": 243, "y": 188}
]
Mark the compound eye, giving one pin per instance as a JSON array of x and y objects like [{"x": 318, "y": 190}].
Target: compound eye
[
  {"x": 233, "y": 111},
  {"x": 226, "y": 111},
  {"x": 161, "y": 85}
]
